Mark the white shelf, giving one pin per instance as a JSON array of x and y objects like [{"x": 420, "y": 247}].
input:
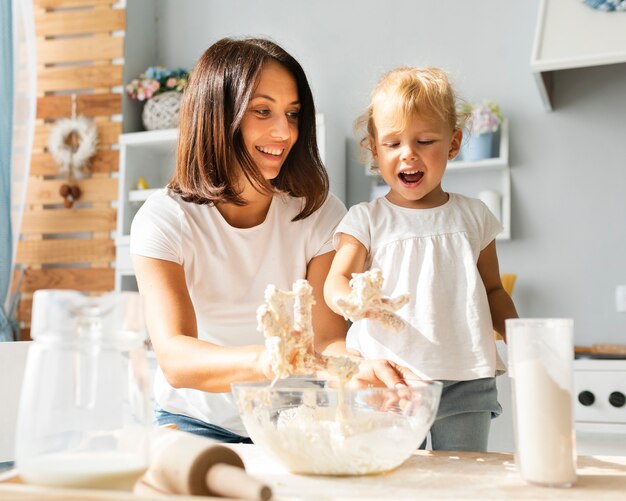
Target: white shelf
[
  {"x": 570, "y": 34},
  {"x": 150, "y": 155},
  {"x": 477, "y": 165},
  {"x": 501, "y": 162},
  {"x": 158, "y": 139},
  {"x": 498, "y": 165},
  {"x": 141, "y": 195}
]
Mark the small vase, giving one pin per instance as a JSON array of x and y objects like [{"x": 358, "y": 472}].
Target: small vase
[
  {"x": 478, "y": 147},
  {"x": 161, "y": 112}
]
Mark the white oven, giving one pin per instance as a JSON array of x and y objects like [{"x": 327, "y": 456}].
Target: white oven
[{"x": 600, "y": 406}]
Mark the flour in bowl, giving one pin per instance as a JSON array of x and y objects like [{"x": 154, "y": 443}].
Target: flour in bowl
[{"x": 311, "y": 441}]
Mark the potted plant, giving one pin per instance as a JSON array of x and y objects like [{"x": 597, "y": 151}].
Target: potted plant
[
  {"x": 161, "y": 89},
  {"x": 484, "y": 120}
]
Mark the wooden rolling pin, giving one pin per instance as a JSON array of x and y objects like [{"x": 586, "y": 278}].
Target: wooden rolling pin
[{"x": 182, "y": 463}]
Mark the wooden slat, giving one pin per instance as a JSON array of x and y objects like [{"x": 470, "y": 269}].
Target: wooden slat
[
  {"x": 36, "y": 252},
  {"x": 93, "y": 190},
  {"x": 76, "y": 220},
  {"x": 80, "y": 21},
  {"x": 79, "y": 78},
  {"x": 55, "y": 4},
  {"x": 42, "y": 164},
  {"x": 80, "y": 49},
  {"x": 88, "y": 105},
  {"x": 108, "y": 134},
  {"x": 81, "y": 279},
  {"x": 25, "y": 333},
  {"x": 24, "y": 310}
]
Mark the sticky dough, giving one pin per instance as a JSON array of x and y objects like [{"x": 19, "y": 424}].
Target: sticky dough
[
  {"x": 366, "y": 300},
  {"x": 286, "y": 322}
]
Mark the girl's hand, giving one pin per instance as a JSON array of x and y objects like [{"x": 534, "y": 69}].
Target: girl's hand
[
  {"x": 381, "y": 373},
  {"x": 367, "y": 301}
]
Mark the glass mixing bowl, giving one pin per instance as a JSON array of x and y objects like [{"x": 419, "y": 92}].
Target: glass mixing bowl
[{"x": 312, "y": 427}]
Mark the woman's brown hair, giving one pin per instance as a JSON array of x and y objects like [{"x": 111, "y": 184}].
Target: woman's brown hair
[{"x": 210, "y": 142}]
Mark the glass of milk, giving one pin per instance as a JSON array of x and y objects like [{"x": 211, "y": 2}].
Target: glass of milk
[
  {"x": 540, "y": 353},
  {"x": 84, "y": 412}
]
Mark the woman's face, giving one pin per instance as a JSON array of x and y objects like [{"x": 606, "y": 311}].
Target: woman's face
[{"x": 270, "y": 125}]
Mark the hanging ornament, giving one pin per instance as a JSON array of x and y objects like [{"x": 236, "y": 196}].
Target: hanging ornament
[{"x": 72, "y": 142}]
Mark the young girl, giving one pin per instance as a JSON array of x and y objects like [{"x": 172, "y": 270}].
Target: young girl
[
  {"x": 437, "y": 246},
  {"x": 248, "y": 206}
]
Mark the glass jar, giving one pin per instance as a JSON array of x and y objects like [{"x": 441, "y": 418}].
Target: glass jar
[
  {"x": 84, "y": 412},
  {"x": 541, "y": 353}
]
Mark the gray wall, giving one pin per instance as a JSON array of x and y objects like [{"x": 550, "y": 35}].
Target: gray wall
[{"x": 568, "y": 166}]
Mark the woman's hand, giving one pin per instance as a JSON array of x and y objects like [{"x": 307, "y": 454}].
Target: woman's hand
[
  {"x": 381, "y": 373},
  {"x": 264, "y": 364}
]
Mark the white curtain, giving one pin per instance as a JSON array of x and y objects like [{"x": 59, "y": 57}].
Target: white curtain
[{"x": 24, "y": 106}]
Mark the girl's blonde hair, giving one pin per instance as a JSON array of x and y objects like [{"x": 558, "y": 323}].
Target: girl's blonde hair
[{"x": 412, "y": 91}]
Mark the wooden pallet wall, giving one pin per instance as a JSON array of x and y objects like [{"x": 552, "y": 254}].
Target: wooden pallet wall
[{"x": 80, "y": 50}]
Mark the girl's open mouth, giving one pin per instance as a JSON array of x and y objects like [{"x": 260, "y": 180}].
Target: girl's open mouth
[{"x": 412, "y": 177}]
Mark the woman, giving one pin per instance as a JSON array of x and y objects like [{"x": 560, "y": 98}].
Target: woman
[{"x": 248, "y": 206}]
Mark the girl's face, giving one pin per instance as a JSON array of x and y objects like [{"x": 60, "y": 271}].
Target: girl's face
[
  {"x": 413, "y": 161},
  {"x": 270, "y": 125}
]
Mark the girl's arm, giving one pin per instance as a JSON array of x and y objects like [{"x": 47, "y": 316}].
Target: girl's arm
[
  {"x": 329, "y": 328},
  {"x": 350, "y": 258},
  {"x": 186, "y": 361},
  {"x": 500, "y": 303}
]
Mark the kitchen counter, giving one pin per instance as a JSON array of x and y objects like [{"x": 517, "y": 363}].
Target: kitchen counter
[
  {"x": 440, "y": 475},
  {"x": 425, "y": 475}
]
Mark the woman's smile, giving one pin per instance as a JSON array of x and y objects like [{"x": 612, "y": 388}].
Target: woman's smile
[
  {"x": 270, "y": 125},
  {"x": 273, "y": 152}
]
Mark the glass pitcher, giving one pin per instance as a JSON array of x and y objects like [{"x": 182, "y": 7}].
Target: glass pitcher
[{"x": 84, "y": 412}]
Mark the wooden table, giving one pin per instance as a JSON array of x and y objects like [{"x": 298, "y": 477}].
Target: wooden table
[
  {"x": 441, "y": 475},
  {"x": 425, "y": 475}
]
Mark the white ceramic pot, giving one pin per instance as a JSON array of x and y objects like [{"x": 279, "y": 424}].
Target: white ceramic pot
[{"x": 161, "y": 112}]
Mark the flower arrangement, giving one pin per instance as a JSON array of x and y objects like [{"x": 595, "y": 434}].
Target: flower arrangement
[
  {"x": 157, "y": 80},
  {"x": 483, "y": 117}
]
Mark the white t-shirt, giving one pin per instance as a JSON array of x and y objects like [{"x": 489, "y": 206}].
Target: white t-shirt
[
  {"x": 432, "y": 254},
  {"x": 227, "y": 270}
]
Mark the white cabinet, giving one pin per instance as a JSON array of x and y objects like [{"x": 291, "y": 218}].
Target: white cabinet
[
  {"x": 570, "y": 34},
  {"x": 471, "y": 177},
  {"x": 149, "y": 155}
]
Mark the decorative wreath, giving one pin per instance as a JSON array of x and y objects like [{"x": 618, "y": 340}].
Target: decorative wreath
[{"x": 70, "y": 160}]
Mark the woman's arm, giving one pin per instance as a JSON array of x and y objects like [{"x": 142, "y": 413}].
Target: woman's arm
[
  {"x": 186, "y": 361},
  {"x": 500, "y": 303}
]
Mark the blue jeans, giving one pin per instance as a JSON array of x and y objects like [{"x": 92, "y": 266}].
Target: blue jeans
[
  {"x": 197, "y": 427},
  {"x": 464, "y": 415}
]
